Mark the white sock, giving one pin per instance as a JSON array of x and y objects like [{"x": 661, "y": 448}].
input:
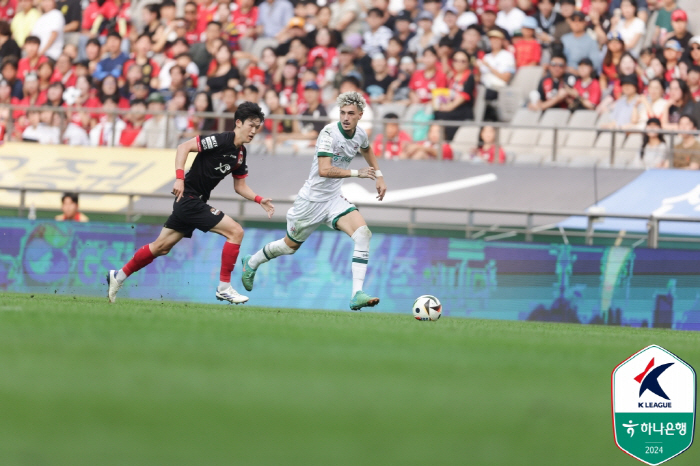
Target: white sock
[
  {"x": 360, "y": 257},
  {"x": 121, "y": 276},
  {"x": 269, "y": 252},
  {"x": 223, "y": 286}
]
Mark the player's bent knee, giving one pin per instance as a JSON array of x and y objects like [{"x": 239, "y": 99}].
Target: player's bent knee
[{"x": 363, "y": 232}]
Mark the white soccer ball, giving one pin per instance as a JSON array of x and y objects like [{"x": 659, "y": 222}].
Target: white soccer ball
[{"x": 427, "y": 307}]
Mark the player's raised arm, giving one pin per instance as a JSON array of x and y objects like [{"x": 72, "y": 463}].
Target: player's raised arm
[
  {"x": 183, "y": 150},
  {"x": 244, "y": 191},
  {"x": 369, "y": 156}
]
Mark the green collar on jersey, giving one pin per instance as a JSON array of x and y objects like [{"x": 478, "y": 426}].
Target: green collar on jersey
[{"x": 342, "y": 131}]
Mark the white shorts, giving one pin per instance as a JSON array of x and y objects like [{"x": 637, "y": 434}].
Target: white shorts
[{"x": 305, "y": 216}]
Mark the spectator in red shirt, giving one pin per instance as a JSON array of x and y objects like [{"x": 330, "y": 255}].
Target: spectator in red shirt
[
  {"x": 460, "y": 104},
  {"x": 616, "y": 49},
  {"x": 245, "y": 17},
  {"x": 424, "y": 81},
  {"x": 205, "y": 14},
  {"x": 64, "y": 73},
  {"x": 528, "y": 51},
  {"x": 427, "y": 150},
  {"x": 54, "y": 95},
  {"x": 149, "y": 68},
  {"x": 97, "y": 16},
  {"x": 110, "y": 88},
  {"x": 192, "y": 35},
  {"x": 134, "y": 122},
  {"x": 7, "y": 10},
  {"x": 44, "y": 73},
  {"x": 32, "y": 59},
  {"x": 487, "y": 146},
  {"x": 396, "y": 140},
  {"x": 694, "y": 81},
  {"x": 586, "y": 92},
  {"x": 32, "y": 96}
]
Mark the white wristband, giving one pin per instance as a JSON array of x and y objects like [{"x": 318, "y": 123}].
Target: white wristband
[
  {"x": 354, "y": 173},
  {"x": 378, "y": 173}
]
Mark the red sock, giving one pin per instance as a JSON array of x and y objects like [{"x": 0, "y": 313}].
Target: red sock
[
  {"x": 229, "y": 255},
  {"x": 141, "y": 259}
]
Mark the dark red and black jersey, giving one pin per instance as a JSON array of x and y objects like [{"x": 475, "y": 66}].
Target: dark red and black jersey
[
  {"x": 549, "y": 87},
  {"x": 216, "y": 158}
]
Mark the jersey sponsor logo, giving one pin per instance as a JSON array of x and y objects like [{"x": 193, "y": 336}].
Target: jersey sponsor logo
[
  {"x": 325, "y": 143},
  {"x": 209, "y": 142},
  {"x": 223, "y": 168}
]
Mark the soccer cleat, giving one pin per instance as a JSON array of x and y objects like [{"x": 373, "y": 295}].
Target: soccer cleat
[
  {"x": 362, "y": 299},
  {"x": 231, "y": 295},
  {"x": 248, "y": 273},
  {"x": 113, "y": 285}
]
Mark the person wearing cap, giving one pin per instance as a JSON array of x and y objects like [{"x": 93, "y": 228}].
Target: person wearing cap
[
  {"x": 346, "y": 65},
  {"x": 481, "y": 6},
  {"x": 686, "y": 154},
  {"x": 434, "y": 7},
  {"x": 497, "y": 68},
  {"x": 305, "y": 132},
  {"x": 295, "y": 28},
  {"x": 273, "y": 16},
  {"x": 488, "y": 20},
  {"x": 453, "y": 33},
  {"x": 693, "y": 51},
  {"x": 578, "y": 44},
  {"x": 630, "y": 27},
  {"x": 345, "y": 17},
  {"x": 679, "y": 24},
  {"x": 672, "y": 56},
  {"x": 425, "y": 37},
  {"x": 586, "y": 93},
  {"x": 510, "y": 17},
  {"x": 662, "y": 25},
  {"x": 376, "y": 38},
  {"x": 629, "y": 108},
  {"x": 158, "y": 132},
  {"x": 403, "y": 28},
  {"x": 528, "y": 51}
]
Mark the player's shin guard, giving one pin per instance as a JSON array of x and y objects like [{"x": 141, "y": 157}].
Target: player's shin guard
[
  {"x": 141, "y": 259},
  {"x": 360, "y": 257},
  {"x": 269, "y": 252},
  {"x": 229, "y": 256}
]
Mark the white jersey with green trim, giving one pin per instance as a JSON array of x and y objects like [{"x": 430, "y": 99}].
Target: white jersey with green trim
[{"x": 332, "y": 142}]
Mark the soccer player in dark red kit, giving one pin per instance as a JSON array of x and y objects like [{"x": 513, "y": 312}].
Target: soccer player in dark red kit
[{"x": 218, "y": 156}]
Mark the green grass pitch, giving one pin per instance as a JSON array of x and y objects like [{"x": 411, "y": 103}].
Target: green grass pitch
[{"x": 83, "y": 382}]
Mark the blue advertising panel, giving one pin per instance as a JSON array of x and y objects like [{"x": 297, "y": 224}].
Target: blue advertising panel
[{"x": 517, "y": 281}]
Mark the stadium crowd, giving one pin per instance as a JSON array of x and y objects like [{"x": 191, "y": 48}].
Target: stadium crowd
[{"x": 635, "y": 62}]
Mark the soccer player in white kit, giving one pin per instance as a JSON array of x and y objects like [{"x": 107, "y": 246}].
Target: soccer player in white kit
[{"x": 320, "y": 200}]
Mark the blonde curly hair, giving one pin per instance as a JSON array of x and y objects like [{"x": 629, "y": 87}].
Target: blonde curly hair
[{"x": 352, "y": 98}]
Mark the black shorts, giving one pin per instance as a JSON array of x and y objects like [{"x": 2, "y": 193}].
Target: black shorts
[{"x": 192, "y": 213}]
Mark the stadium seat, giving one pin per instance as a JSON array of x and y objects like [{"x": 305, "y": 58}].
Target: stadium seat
[
  {"x": 604, "y": 140},
  {"x": 580, "y": 139},
  {"x": 583, "y": 119},
  {"x": 523, "y": 116},
  {"x": 512, "y": 97},
  {"x": 392, "y": 107},
  {"x": 558, "y": 118},
  {"x": 633, "y": 141},
  {"x": 466, "y": 138}
]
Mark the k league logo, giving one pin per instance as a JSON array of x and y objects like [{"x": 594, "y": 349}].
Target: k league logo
[{"x": 653, "y": 403}]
